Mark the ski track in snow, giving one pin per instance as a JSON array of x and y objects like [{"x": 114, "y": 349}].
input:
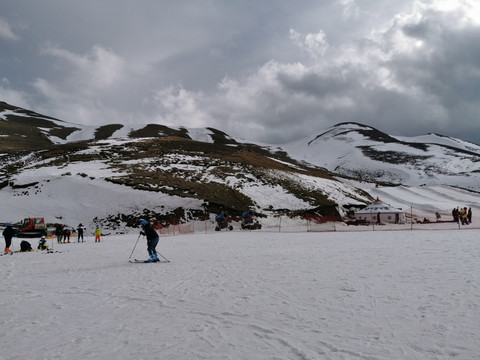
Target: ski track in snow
[{"x": 367, "y": 296}]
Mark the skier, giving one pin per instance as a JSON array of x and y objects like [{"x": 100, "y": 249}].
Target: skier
[
  {"x": 98, "y": 232},
  {"x": 8, "y": 234},
  {"x": 469, "y": 215},
  {"x": 152, "y": 240},
  {"x": 80, "y": 230}
]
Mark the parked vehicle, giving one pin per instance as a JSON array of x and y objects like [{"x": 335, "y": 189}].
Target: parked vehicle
[
  {"x": 33, "y": 227},
  {"x": 248, "y": 222},
  {"x": 222, "y": 222}
]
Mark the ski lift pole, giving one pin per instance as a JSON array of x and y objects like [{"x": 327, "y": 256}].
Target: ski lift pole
[{"x": 134, "y": 247}]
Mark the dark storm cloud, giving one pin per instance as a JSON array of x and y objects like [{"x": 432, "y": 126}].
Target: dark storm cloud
[{"x": 270, "y": 71}]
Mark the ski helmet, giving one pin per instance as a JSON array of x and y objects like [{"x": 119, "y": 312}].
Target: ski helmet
[
  {"x": 143, "y": 222},
  {"x": 9, "y": 224}
]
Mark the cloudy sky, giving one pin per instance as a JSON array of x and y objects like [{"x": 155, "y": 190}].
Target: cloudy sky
[{"x": 270, "y": 71}]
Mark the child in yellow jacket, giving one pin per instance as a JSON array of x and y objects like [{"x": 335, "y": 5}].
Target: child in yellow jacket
[{"x": 98, "y": 232}]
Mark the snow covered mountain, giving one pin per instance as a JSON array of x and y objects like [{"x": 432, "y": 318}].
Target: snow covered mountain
[
  {"x": 367, "y": 154},
  {"x": 154, "y": 171},
  {"x": 115, "y": 175},
  {"x": 22, "y": 129}
]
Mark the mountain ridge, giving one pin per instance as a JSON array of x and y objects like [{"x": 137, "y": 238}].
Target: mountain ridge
[{"x": 197, "y": 172}]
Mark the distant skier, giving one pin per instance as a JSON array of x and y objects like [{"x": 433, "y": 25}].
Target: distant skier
[
  {"x": 98, "y": 232},
  {"x": 152, "y": 240},
  {"x": 8, "y": 234},
  {"x": 80, "y": 230},
  {"x": 469, "y": 215}
]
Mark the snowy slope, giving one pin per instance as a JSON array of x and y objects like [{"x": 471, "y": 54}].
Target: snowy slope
[
  {"x": 365, "y": 153},
  {"x": 75, "y": 191},
  {"x": 336, "y": 296}
]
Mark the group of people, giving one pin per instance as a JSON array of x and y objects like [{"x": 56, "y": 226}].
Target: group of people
[
  {"x": 8, "y": 233},
  {"x": 462, "y": 215},
  {"x": 62, "y": 233}
]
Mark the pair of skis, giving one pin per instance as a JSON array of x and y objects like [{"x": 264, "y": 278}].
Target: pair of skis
[
  {"x": 38, "y": 251},
  {"x": 146, "y": 261},
  {"x": 163, "y": 260}
]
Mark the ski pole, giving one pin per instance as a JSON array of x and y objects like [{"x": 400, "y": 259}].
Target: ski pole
[
  {"x": 163, "y": 257},
  {"x": 134, "y": 246}
]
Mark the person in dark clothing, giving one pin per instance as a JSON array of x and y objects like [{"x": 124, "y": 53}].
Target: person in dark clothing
[
  {"x": 152, "y": 240},
  {"x": 469, "y": 215},
  {"x": 454, "y": 215},
  {"x": 80, "y": 230},
  {"x": 59, "y": 233},
  {"x": 8, "y": 234},
  {"x": 25, "y": 246}
]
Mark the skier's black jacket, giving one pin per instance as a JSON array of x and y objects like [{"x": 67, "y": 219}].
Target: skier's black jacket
[
  {"x": 150, "y": 232},
  {"x": 8, "y": 232}
]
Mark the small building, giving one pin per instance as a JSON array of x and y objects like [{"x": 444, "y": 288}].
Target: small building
[{"x": 381, "y": 213}]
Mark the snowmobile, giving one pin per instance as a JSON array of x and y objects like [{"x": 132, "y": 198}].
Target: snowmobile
[
  {"x": 222, "y": 222},
  {"x": 248, "y": 223}
]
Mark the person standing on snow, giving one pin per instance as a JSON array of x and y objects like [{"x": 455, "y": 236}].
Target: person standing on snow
[
  {"x": 59, "y": 233},
  {"x": 463, "y": 216},
  {"x": 98, "y": 232},
  {"x": 80, "y": 230},
  {"x": 66, "y": 235},
  {"x": 152, "y": 240},
  {"x": 8, "y": 234}
]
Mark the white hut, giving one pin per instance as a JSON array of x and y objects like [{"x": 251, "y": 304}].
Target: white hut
[{"x": 380, "y": 212}]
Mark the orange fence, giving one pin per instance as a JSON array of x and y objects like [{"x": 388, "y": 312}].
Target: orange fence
[{"x": 415, "y": 219}]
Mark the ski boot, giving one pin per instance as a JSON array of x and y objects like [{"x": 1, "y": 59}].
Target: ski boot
[
  {"x": 7, "y": 250},
  {"x": 151, "y": 259},
  {"x": 155, "y": 257}
]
